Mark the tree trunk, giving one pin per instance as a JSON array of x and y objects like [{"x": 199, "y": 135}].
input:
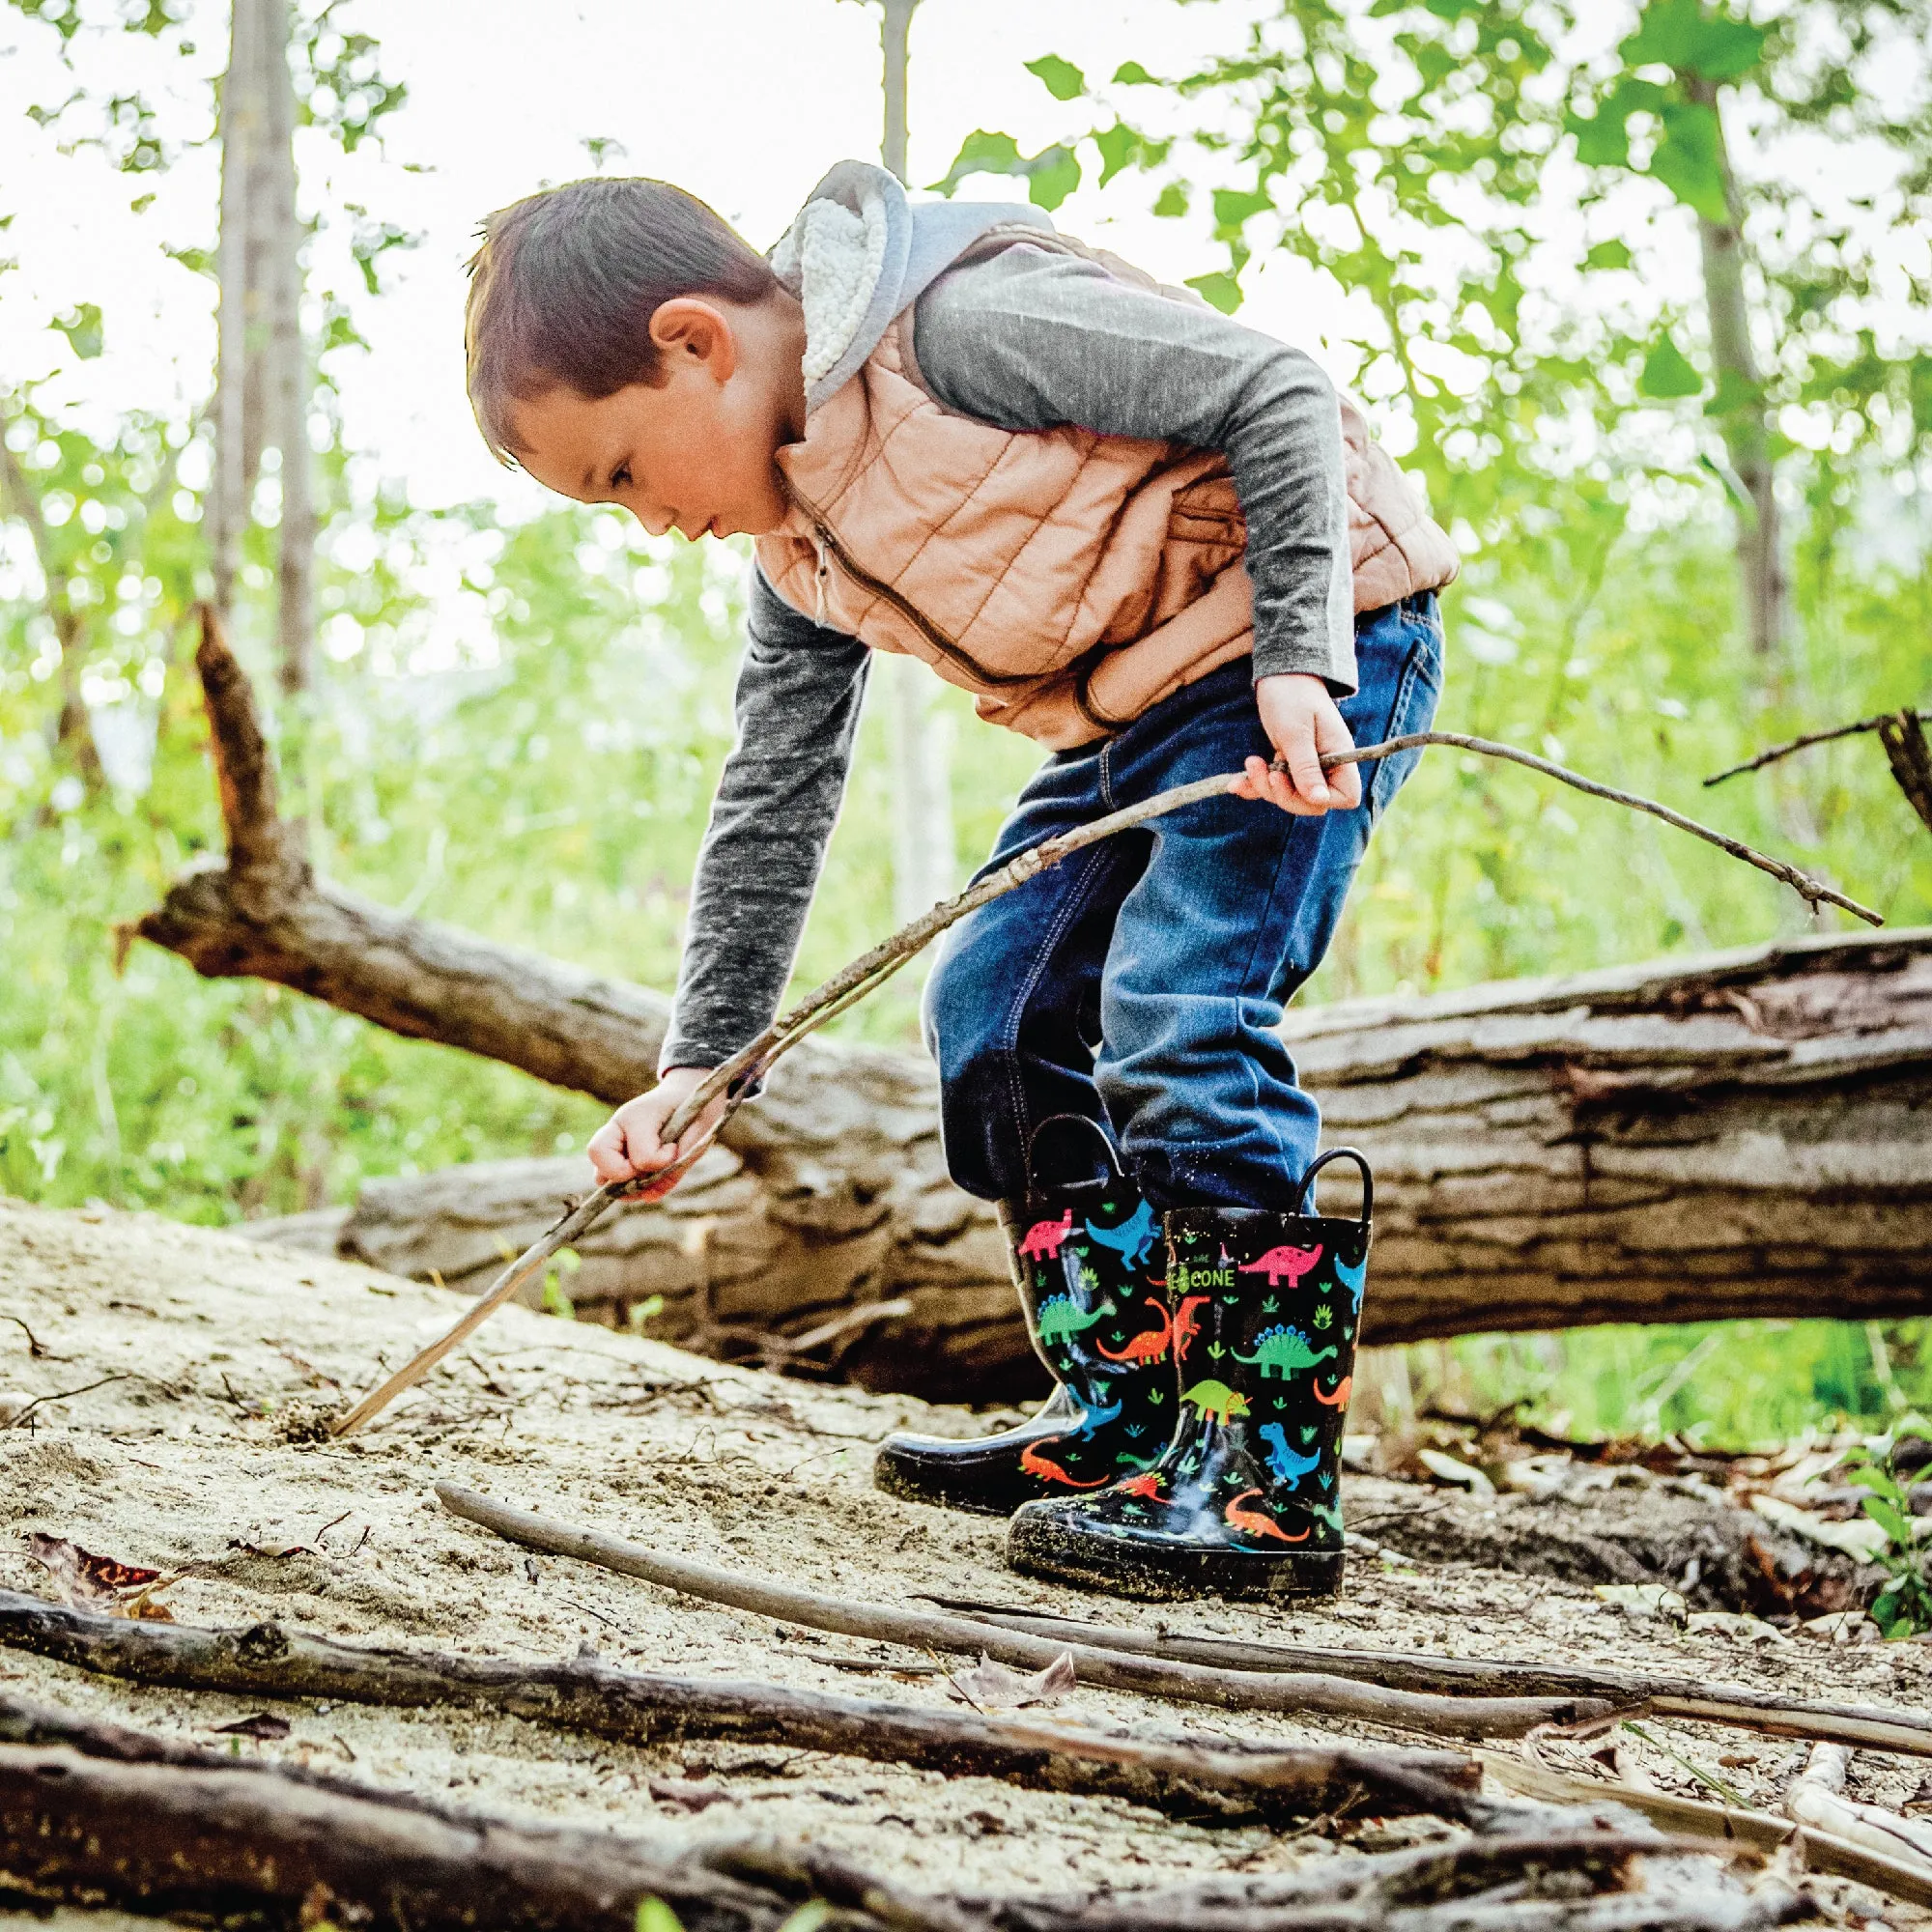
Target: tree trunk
[{"x": 1763, "y": 574}]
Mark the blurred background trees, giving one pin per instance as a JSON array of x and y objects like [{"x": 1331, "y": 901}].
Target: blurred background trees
[{"x": 1641, "y": 295}]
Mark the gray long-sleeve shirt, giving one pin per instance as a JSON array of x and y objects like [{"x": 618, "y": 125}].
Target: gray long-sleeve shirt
[{"x": 1028, "y": 340}]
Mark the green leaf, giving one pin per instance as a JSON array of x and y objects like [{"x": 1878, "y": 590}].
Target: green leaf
[
  {"x": 1219, "y": 289},
  {"x": 1131, "y": 73},
  {"x": 1679, "y": 33},
  {"x": 1893, "y": 1520},
  {"x": 81, "y": 327},
  {"x": 1688, "y": 161},
  {"x": 1233, "y": 208},
  {"x": 1172, "y": 201},
  {"x": 1060, "y": 77},
  {"x": 1602, "y": 140},
  {"x": 1736, "y": 394},
  {"x": 1119, "y": 145},
  {"x": 1667, "y": 374},
  {"x": 655, "y": 1915},
  {"x": 1052, "y": 175},
  {"x": 982, "y": 152},
  {"x": 1608, "y": 255}
]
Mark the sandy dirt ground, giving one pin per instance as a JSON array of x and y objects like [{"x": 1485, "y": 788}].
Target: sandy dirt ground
[{"x": 192, "y": 1461}]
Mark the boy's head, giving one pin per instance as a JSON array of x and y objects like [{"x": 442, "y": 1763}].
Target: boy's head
[{"x": 625, "y": 345}]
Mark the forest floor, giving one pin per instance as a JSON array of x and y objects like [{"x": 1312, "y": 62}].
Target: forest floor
[{"x": 193, "y": 1463}]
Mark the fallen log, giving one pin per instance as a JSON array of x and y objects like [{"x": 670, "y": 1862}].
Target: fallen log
[
  {"x": 1872, "y": 1726},
  {"x": 1748, "y": 1135},
  {"x": 1294, "y": 1694},
  {"x": 161, "y": 1837},
  {"x": 641, "y": 1708}
]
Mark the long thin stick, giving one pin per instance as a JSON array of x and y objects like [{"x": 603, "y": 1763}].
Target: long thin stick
[
  {"x": 1774, "y": 752},
  {"x": 1870, "y": 1726},
  {"x": 734, "y": 1080},
  {"x": 1295, "y": 1694}
]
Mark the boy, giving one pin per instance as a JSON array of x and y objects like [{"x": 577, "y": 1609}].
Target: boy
[{"x": 1152, "y": 541}]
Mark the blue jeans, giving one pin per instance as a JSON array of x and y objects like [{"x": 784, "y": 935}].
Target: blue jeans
[{"x": 1140, "y": 981}]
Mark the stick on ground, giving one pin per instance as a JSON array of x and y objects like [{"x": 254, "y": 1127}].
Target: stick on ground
[
  {"x": 1298, "y": 1694},
  {"x": 641, "y": 1708}
]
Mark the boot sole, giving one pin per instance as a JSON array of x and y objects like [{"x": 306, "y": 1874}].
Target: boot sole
[
  {"x": 914, "y": 1485},
  {"x": 1166, "y": 1571}
]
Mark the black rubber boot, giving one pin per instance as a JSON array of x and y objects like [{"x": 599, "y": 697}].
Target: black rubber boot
[
  {"x": 1086, "y": 1257},
  {"x": 1246, "y": 1499}
]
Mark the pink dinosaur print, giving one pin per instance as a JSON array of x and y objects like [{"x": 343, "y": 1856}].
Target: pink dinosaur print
[
  {"x": 1041, "y": 1242},
  {"x": 1150, "y": 1345},
  {"x": 1294, "y": 1263},
  {"x": 1251, "y": 1522},
  {"x": 1050, "y": 1471},
  {"x": 1340, "y": 1399},
  {"x": 1188, "y": 1323}
]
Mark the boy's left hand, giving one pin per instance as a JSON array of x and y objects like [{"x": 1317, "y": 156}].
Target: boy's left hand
[{"x": 1302, "y": 724}]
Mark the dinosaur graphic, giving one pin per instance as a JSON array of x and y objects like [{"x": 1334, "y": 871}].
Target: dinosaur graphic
[
  {"x": 1188, "y": 1323},
  {"x": 1050, "y": 1471},
  {"x": 1282, "y": 1349},
  {"x": 1284, "y": 1465},
  {"x": 1150, "y": 1344},
  {"x": 1251, "y": 1522},
  {"x": 1041, "y": 1242},
  {"x": 1146, "y": 1484},
  {"x": 1352, "y": 1278},
  {"x": 1340, "y": 1399},
  {"x": 1294, "y": 1263},
  {"x": 1328, "y": 1512},
  {"x": 1096, "y": 1419},
  {"x": 1131, "y": 1239},
  {"x": 1216, "y": 1399},
  {"x": 1061, "y": 1318}
]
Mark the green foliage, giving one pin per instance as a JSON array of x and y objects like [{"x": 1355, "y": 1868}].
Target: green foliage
[
  {"x": 1050, "y": 176},
  {"x": 1904, "y": 1607}
]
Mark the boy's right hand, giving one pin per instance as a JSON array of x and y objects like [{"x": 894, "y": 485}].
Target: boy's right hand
[{"x": 629, "y": 1143}]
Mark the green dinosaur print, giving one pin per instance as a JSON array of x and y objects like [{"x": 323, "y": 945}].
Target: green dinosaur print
[
  {"x": 1328, "y": 1512},
  {"x": 1281, "y": 1350},
  {"x": 1060, "y": 1320},
  {"x": 1216, "y": 1401}
]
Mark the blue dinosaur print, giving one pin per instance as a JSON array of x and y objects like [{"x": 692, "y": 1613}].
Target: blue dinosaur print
[
  {"x": 1096, "y": 1419},
  {"x": 1284, "y": 1465},
  {"x": 1352, "y": 1278},
  {"x": 1131, "y": 1239}
]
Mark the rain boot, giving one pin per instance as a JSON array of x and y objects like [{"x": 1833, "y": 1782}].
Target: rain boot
[
  {"x": 1085, "y": 1257},
  {"x": 1246, "y": 1499}
]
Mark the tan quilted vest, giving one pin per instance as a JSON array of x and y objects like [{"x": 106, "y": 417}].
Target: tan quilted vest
[{"x": 1068, "y": 579}]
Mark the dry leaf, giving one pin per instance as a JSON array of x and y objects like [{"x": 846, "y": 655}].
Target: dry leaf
[
  {"x": 1859, "y": 1538},
  {"x": 262, "y": 1725},
  {"x": 1447, "y": 1469},
  {"x": 86, "y": 1582},
  {"x": 1642, "y": 1600},
  {"x": 688, "y": 1794},
  {"x": 990, "y": 1684}
]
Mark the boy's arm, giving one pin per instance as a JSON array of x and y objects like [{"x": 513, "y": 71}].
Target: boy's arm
[
  {"x": 1029, "y": 339},
  {"x": 799, "y": 687}
]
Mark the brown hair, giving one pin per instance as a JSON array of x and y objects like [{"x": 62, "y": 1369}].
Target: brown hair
[{"x": 564, "y": 285}]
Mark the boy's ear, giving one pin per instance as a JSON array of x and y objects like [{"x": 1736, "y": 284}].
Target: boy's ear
[{"x": 689, "y": 330}]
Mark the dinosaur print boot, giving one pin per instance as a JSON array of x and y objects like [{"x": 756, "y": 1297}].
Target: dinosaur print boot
[
  {"x": 1246, "y": 1499},
  {"x": 1086, "y": 1260}
]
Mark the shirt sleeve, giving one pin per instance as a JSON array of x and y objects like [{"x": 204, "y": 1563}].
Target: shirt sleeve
[
  {"x": 1029, "y": 339},
  {"x": 799, "y": 689}
]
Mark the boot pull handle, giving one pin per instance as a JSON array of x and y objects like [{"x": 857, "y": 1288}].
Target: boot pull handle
[
  {"x": 1094, "y": 1126},
  {"x": 1303, "y": 1202}
]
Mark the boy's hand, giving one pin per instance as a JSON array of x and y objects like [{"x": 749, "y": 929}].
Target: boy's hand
[
  {"x": 1302, "y": 722},
  {"x": 628, "y": 1144}
]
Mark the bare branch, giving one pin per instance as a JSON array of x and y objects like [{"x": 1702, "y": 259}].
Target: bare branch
[{"x": 1805, "y": 743}]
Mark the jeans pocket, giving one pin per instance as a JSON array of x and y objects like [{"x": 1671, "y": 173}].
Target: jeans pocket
[{"x": 1416, "y": 697}]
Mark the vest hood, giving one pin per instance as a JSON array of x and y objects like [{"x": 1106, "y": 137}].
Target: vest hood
[{"x": 859, "y": 253}]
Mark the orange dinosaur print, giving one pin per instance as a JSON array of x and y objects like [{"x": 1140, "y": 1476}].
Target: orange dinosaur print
[
  {"x": 1188, "y": 1323},
  {"x": 1150, "y": 1345},
  {"x": 1145, "y": 1484},
  {"x": 1340, "y": 1399},
  {"x": 1050, "y": 1471},
  {"x": 1251, "y": 1522}
]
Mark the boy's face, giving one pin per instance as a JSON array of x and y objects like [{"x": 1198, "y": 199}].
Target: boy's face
[{"x": 694, "y": 454}]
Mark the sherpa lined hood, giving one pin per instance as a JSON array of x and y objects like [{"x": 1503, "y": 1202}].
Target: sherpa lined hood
[{"x": 859, "y": 253}]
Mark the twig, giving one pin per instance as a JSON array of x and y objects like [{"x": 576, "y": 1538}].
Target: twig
[
  {"x": 1807, "y": 740},
  {"x": 839, "y": 1325},
  {"x": 20, "y": 1415},
  {"x": 588, "y": 1696},
  {"x": 1297, "y": 1693},
  {"x": 1870, "y": 1725},
  {"x": 733, "y": 1081},
  {"x": 36, "y": 1349}
]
